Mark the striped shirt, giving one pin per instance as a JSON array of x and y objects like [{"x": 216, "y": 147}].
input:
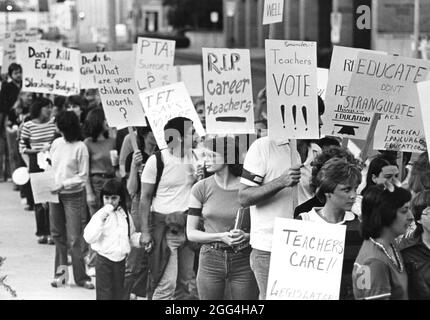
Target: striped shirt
[{"x": 36, "y": 135}]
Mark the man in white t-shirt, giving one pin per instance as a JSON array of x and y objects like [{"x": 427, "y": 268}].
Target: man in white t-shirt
[
  {"x": 163, "y": 216},
  {"x": 267, "y": 181}
]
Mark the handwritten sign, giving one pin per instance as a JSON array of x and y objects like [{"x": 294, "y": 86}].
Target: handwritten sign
[
  {"x": 165, "y": 103},
  {"x": 386, "y": 84},
  {"x": 118, "y": 94},
  {"x": 41, "y": 185},
  {"x": 291, "y": 80},
  {"x": 322, "y": 78},
  {"x": 399, "y": 134},
  {"x": 337, "y": 120},
  {"x": 273, "y": 11},
  {"x": 88, "y": 60},
  {"x": 228, "y": 91},
  {"x": 11, "y": 39},
  {"x": 154, "y": 59},
  {"x": 423, "y": 89},
  {"x": 306, "y": 260},
  {"x": 49, "y": 69}
]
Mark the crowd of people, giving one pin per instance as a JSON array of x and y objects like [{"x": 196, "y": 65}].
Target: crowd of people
[{"x": 187, "y": 222}]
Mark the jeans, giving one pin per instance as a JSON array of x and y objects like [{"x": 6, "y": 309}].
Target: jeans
[
  {"x": 136, "y": 266},
  {"x": 219, "y": 268},
  {"x": 260, "y": 263},
  {"x": 12, "y": 146},
  {"x": 109, "y": 279},
  {"x": 66, "y": 229},
  {"x": 42, "y": 220},
  {"x": 178, "y": 280}
]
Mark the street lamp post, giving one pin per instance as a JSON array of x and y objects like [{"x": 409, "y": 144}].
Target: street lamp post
[
  {"x": 230, "y": 8},
  {"x": 9, "y": 8}
]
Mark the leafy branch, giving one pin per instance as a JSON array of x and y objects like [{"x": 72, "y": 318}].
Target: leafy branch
[{"x": 3, "y": 281}]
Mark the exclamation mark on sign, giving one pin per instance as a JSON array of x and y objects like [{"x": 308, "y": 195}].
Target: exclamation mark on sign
[
  {"x": 305, "y": 116},
  {"x": 295, "y": 116},
  {"x": 283, "y": 115}
]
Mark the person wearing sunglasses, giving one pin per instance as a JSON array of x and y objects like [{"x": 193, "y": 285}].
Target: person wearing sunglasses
[
  {"x": 379, "y": 270},
  {"x": 416, "y": 249}
]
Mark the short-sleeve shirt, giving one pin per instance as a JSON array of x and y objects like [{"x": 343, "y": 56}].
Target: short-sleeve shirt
[
  {"x": 219, "y": 206},
  {"x": 175, "y": 184},
  {"x": 99, "y": 151},
  {"x": 265, "y": 161},
  {"x": 374, "y": 275}
]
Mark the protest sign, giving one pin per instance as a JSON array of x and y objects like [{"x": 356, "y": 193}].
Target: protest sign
[
  {"x": 322, "y": 78},
  {"x": 306, "y": 260},
  {"x": 154, "y": 59},
  {"x": 386, "y": 84},
  {"x": 49, "y": 68},
  {"x": 291, "y": 80},
  {"x": 118, "y": 94},
  {"x": 423, "y": 89},
  {"x": 11, "y": 39},
  {"x": 273, "y": 11},
  {"x": 165, "y": 103},
  {"x": 228, "y": 91},
  {"x": 191, "y": 75},
  {"x": 399, "y": 134},
  {"x": 41, "y": 185},
  {"x": 336, "y": 120},
  {"x": 87, "y": 61}
]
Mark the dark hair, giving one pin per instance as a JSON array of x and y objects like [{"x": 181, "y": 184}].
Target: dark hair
[
  {"x": 324, "y": 156},
  {"x": 68, "y": 124},
  {"x": 178, "y": 124},
  {"x": 334, "y": 172},
  {"x": 59, "y": 102},
  {"x": 75, "y": 100},
  {"x": 114, "y": 187},
  {"x": 379, "y": 208},
  {"x": 142, "y": 132},
  {"x": 94, "y": 124},
  {"x": 37, "y": 106},
  {"x": 227, "y": 143},
  {"x": 328, "y": 142},
  {"x": 420, "y": 174},
  {"x": 418, "y": 204},
  {"x": 13, "y": 67},
  {"x": 375, "y": 168}
]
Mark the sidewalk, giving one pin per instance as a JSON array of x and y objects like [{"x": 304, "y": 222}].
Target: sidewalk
[{"x": 29, "y": 266}]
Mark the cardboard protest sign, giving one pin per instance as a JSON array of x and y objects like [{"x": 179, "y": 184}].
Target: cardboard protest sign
[
  {"x": 41, "y": 185},
  {"x": 49, "y": 69},
  {"x": 88, "y": 60},
  {"x": 336, "y": 120},
  {"x": 273, "y": 11},
  {"x": 191, "y": 75},
  {"x": 322, "y": 78},
  {"x": 165, "y": 103},
  {"x": 228, "y": 91},
  {"x": 154, "y": 59},
  {"x": 386, "y": 84},
  {"x": 11, "y": 39},
  {"x": 291, "y": 81},
  {"x": 306, "y": 260},
  {"x": 423, "y": 89},
  {"x": 399, "y": 134},
  {"x": 118, "y": 94}
]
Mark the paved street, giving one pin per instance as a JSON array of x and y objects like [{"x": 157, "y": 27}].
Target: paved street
[{"x": 29, "y": 265}]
